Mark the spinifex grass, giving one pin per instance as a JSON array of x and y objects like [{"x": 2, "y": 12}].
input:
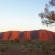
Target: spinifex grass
[{"x": 32, "y": 47}]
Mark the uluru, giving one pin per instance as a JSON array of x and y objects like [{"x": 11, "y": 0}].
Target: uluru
[{"x": 28, "y": 35}]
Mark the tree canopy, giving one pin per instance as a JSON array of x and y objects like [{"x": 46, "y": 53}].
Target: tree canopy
[{"x": 48, "y": 17}]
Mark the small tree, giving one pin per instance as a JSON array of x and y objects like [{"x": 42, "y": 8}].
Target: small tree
[
  {"x": 45, "y": 49},
  {"x": 48, "y": 17},
  {"x": 17, "y": 40},
  {"x": 52, "y": 2}
]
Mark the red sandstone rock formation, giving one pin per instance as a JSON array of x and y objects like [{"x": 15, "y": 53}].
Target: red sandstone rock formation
[
  {"x": 14, "y": 35},
  {"x": 45, "y": 35},
  {"x": 6, "y": 35},
  {"x": 27, "y": 35}
]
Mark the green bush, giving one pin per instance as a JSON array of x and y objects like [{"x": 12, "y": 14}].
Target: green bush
[
  {"x": 17, "y": 40},
  {"x": 45, "y": 49},
  {"x": 2, "y": 50},
  {"x": 54, "y": 49}
]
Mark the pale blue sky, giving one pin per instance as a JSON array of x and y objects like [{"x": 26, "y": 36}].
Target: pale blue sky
[{"x": 22, "y": 15}]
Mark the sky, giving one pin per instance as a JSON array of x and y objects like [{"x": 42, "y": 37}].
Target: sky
[{"x": 22, "y": 15}]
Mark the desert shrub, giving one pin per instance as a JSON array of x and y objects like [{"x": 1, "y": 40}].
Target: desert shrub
[
  {"x": 53, "y": 49},
  {"x": 2, "y": 50},
  {"x": 17, "y": 40},
  {"x": 45, "y": 49}
]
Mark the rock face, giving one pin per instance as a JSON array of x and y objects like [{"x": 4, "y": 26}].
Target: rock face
[
  {"x": 28, "y": 35},
  {"x": 46, "y": 35}
]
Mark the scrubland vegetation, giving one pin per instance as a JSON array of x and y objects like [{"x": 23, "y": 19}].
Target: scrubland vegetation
[{"x": 26, "y": 47}]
